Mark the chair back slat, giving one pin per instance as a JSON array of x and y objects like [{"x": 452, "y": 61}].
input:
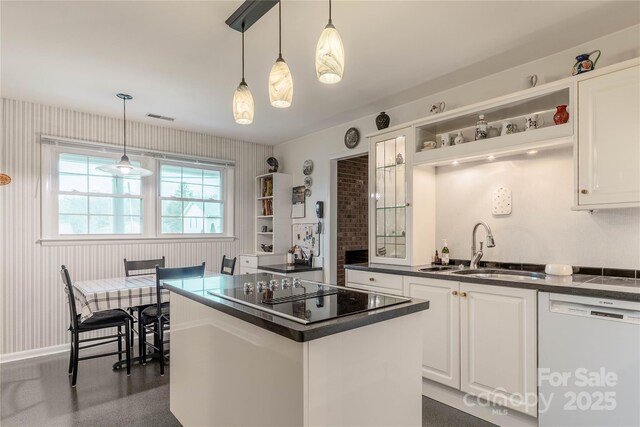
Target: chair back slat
[
  {"x": 140, "y": 267},
  {"x": 73, "y": 315},
  {"x": 228, "y": 265},
  {"x": 174, "y": 273}
]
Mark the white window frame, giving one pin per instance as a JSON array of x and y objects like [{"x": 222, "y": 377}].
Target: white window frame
[
  {"x": 227, "y": 186},
  {"x": 151, "y": 213}
]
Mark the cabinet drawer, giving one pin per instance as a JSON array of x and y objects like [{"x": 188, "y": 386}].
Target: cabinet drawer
[
  {"x": 248, "y": 270},
  {"x": 375, "y": 289},
  {"x": 248, "y": 261},
  {"x": 386, "y": 282}
]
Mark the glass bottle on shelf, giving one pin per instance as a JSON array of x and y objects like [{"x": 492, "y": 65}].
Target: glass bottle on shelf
[{"x": 481, "y": 128}]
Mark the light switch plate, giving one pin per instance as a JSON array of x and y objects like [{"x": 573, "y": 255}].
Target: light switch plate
[{"x": 501, "y": 201}]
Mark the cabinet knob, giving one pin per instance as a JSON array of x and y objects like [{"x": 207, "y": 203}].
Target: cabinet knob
[
  {"x": 371, "y": 279},
  {"x": 584, "y": 191},
  {"x": 463, "y": 294},
  {"x": 454, "y": 292}
]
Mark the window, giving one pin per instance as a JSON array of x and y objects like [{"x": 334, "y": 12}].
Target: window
[
  {"x": 94, "y": 202},
  {"x": 191, "y": 200},
  {"x": 183, "y": 198}
]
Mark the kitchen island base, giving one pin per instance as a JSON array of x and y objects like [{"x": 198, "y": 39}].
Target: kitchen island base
[{"x": 228, "y": 372}]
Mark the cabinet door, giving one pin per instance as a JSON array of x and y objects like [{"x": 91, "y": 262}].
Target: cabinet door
[
  {"x": 389, "y": 208},
  {"x": 609, "y": 138},
  {"x": 498, "y": 345},
  {"x": 440, "y": 328}
]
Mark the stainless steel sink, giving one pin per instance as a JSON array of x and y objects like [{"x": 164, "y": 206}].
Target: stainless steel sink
[
  {"x": 439, "y": 268},
  {"x": 488, "y": 273}
]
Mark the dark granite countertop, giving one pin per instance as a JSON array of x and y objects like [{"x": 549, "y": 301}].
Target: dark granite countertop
[
  {"x": 284, "y": 268},
  {"x": 601, "y": 286},
  {"x": 196, "y": 290}
]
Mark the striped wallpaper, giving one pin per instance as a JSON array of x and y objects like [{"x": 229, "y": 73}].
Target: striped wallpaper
[{"x": 34, "y": 312}]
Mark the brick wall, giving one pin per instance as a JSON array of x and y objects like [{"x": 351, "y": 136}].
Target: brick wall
[{"x": 353, "y": 209}]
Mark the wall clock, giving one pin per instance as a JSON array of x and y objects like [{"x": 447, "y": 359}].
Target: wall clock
[{"x": 351, "y": 138}]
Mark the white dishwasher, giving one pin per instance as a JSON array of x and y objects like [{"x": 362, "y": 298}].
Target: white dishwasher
[{"x": 589, "y": 361}]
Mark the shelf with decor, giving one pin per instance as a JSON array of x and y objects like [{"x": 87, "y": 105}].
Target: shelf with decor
[
  {"x": 515, "y": 124},
  {"x": 273, "y": 213}
]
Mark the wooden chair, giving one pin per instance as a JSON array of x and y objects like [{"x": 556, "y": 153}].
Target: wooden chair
[
  {"x": 140, "y": 268},
  {"x": 155, "y": 318},
  {"x": 99, "y": 320},
  {"x": 228, "y": 265}
]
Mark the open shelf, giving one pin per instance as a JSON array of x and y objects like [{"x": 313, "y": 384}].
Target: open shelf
[
  {"x": 512, "y": 108},
  {"x": 551, "y": 136}
]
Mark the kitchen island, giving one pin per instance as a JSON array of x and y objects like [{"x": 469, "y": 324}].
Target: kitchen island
[{"x": 263, "y": 350}]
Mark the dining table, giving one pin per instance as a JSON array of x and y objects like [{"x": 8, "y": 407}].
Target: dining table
[{"x": 92, "y": 296}]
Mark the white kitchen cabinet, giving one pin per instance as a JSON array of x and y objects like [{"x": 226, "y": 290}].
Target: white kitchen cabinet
[
  {"x": 250, "y": 263},
  {"x": 608, "y": 149},
  {"x": 479, "y": 339},
  {"x": 498, "y": 345},
  {"x": 374, "y": 282},
  {"x": 440, "y": 328},
  {"x": 397, "y": 190}
]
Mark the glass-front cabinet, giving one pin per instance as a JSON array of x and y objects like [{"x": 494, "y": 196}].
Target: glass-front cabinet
[{"x": 389, "y": 202}]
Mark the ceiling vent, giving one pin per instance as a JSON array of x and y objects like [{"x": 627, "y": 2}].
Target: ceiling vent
[{"x": 158, "y": 116}]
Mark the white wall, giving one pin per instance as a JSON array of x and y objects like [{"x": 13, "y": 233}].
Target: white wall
[
  {"x": 34, "y": 311},
  {"x": 542, "y": 228},
  {"x": 328, "y": 144}
]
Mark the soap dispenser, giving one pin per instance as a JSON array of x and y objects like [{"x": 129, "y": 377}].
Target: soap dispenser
[{"x": 445, "y": 252}]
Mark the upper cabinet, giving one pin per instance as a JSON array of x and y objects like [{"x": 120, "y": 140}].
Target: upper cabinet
[
  {"x": 395, "y": 236},
  {"x": 608, "y": 148}
]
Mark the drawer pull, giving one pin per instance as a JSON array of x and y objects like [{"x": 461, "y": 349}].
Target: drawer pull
[
  {"x": 584, "y": 191},
  {"x": 454, "y": 293},
  {"x": 463, "y": 294},
  {"x": 371, "y": 279}
]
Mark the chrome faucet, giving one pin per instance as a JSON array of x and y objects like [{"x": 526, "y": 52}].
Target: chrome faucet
[{"x": 477, "y": 255}]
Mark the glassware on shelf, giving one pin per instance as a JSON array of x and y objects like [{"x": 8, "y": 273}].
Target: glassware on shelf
[{"x": 481, "y": 128}]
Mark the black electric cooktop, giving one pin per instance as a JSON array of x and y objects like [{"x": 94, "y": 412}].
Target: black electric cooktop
[{"x": 299, "y": 300}]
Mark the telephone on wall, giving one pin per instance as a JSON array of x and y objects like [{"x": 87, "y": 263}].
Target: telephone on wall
[{"x": 319, "y": 214}]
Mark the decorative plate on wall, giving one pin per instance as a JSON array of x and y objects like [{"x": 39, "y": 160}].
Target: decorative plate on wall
[
  {"x": 351, "y": 138},
  {"x": 307, "y": 167},
  {"x": 307, "y": 193},
  {"x": 307, "y": 182}
]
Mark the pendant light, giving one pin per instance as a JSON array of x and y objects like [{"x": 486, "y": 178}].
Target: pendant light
[
  {"x": 242, "y": 98},
  {"x": 124, "y": 167},
  {"x": 329, "y": 54},
  {"x": 280, "y": 81}
]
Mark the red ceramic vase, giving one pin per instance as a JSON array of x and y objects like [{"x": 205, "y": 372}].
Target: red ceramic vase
[{"x": 562, "y": 115}]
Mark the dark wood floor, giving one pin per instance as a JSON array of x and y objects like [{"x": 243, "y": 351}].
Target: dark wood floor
[{"x": 37, "y": 392}]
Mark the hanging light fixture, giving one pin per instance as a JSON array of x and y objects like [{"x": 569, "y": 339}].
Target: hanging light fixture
[
  {"x": 124, "y": 166},
  {"x": 280, "y": 81},
  {"x": 242, "y": 98},
  {"x": 329, "y": 54}
]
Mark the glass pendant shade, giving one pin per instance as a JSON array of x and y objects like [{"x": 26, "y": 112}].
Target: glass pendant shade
[
  {"x": 124, "y": 168},
  {"x": 243, "y": 104},
  {"x": 280, "y": 85},
  {"x": 329, "y": 56}
]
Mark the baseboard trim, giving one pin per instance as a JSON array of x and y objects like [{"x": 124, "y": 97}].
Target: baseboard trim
[
  {"x": 493, "y": 414},
  {"x": 36, "y": 352}
]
